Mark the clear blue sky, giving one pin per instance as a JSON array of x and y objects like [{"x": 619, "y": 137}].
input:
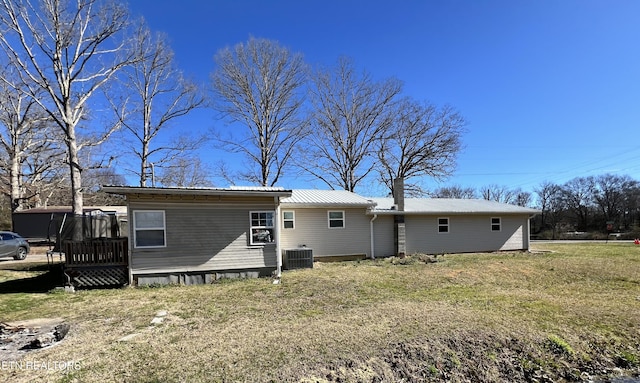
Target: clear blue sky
[{"x": 550, "y": 89}]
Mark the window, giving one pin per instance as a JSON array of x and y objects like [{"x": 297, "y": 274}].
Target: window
[
  {"x": 443, "y": 225},
  {"x": 496, "y": 224},
  {"x": 288, "y": 220},
  {"x": 262, "y": 227},
  {"x": 336, "y": 219},
  {"x": 149, "y": 228},
  {"x": 7, "y": 236}
]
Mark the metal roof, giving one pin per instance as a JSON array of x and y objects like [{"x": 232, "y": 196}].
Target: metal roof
[
  {"x": 449, "y": 206},
  {"x": 326, "y": 198},
  {"x": 236, "y": 191}
]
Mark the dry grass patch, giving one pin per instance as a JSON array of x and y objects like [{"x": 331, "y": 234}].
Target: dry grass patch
[{"x": 479, "y": 317}]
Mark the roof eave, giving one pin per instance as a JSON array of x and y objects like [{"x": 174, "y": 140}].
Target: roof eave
[
  {"x": 397, "y": 212},
  {"x": 128, "y": 190},
  {"x": 303, "y": 205}
]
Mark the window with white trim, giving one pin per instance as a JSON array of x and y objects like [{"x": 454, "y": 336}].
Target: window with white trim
[
  {"x": 496, "y": 224},
  {"x": 443, "y": 225},
  {"x": 262, "y": 227},
  {"x": 288, "y": 220},
  {"x": 336, "y": 219},
  {"x": 149, "y": 229}
]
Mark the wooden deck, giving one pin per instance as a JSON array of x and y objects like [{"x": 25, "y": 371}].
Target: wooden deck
[{"x": 98, "y": 262}]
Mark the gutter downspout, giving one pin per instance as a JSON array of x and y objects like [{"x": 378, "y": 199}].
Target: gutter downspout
[
  {"x": 278, "y": 250},
  {"x": 373, "y": 251},
  {"x": 130, "y": 240}
]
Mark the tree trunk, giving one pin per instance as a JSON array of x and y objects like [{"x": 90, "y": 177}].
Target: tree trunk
[
  {"x": 16, "y": 202},
  {"x": 77, "y": 204}
]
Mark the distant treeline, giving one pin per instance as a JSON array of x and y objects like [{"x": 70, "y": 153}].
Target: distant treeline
[{"x": 602, "y": 204}]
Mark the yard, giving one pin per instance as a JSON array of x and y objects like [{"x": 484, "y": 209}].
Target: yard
[{"x": 563, "y": 312}]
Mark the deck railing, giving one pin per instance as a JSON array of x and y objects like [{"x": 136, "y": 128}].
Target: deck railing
[{"x": 97, "y": 252}]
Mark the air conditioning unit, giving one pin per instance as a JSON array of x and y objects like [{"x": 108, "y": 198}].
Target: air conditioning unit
[{"x": 301, "y": 258}]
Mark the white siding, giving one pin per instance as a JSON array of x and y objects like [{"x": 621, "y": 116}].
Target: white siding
[
  {"x": 312, "y": 231},
  {"x": 467, "y": 233}
]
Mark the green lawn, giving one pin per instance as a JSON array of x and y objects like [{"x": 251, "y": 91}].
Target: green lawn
[{"x": 570, "y": 312}]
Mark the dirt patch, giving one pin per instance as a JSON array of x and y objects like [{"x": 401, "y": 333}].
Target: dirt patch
[
  {"x": 19, "y": 338},
  {"x": 478, "y": 357}
]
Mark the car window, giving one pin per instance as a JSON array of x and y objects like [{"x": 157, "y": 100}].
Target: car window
[{"x": 6, "y": 236}]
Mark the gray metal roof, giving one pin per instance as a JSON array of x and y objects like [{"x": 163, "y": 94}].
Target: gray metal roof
[
  {"x": 325, "y": 198},
  {"x": 449, "y": 206}
]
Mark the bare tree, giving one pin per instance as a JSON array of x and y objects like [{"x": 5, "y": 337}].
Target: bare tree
[
  {"x": 499, "y": 193},
  {"x": 186, "y": 172},
  {"x": 454, "y": 192},
  {"x": 351, "y": 113},
  {"x": 45, "y": 174},
  {"x": 69, "y": 49},
  {"x": 94, "y": 179},
  {"x": 549, "y": 201},
  {"x": 610, "y": 194},
  {"x": 259, "y": 84},
  {"x": 423, "y": 141},
  {"x": 159, "y": 94},
  {"x": 23, "y": 130},
  {"x": 522, "y": 198},
  {"x": 577, "y": 197}
]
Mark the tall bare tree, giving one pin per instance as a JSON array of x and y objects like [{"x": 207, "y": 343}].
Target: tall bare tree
[
  {"x": 259, "y": 84},
  {"x": 159, "y": 94},
  {"x": 69, "y": 49},
  {"x": 351, "y": 112},
  {"x": 423, "y": 140},
  {"x": 23, "y": 126}
]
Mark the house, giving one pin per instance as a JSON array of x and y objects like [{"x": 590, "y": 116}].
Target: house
[
  {"x": 442, "y": 225},
  {"x": 334, "y": 224},
  {"x": 340, "y": 224},
  {"x": 193, "y": 235}
]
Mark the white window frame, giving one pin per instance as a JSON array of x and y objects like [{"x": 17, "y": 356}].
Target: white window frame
[
  {"x": 447, "y": 225},
  {"x": 272, "y": 228},
  {"x": 292, "y": 220},
  {"x": 343, "y": 219},
  {"x": 136, "y": 229},
  {"x": 499, "y": 223}
]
